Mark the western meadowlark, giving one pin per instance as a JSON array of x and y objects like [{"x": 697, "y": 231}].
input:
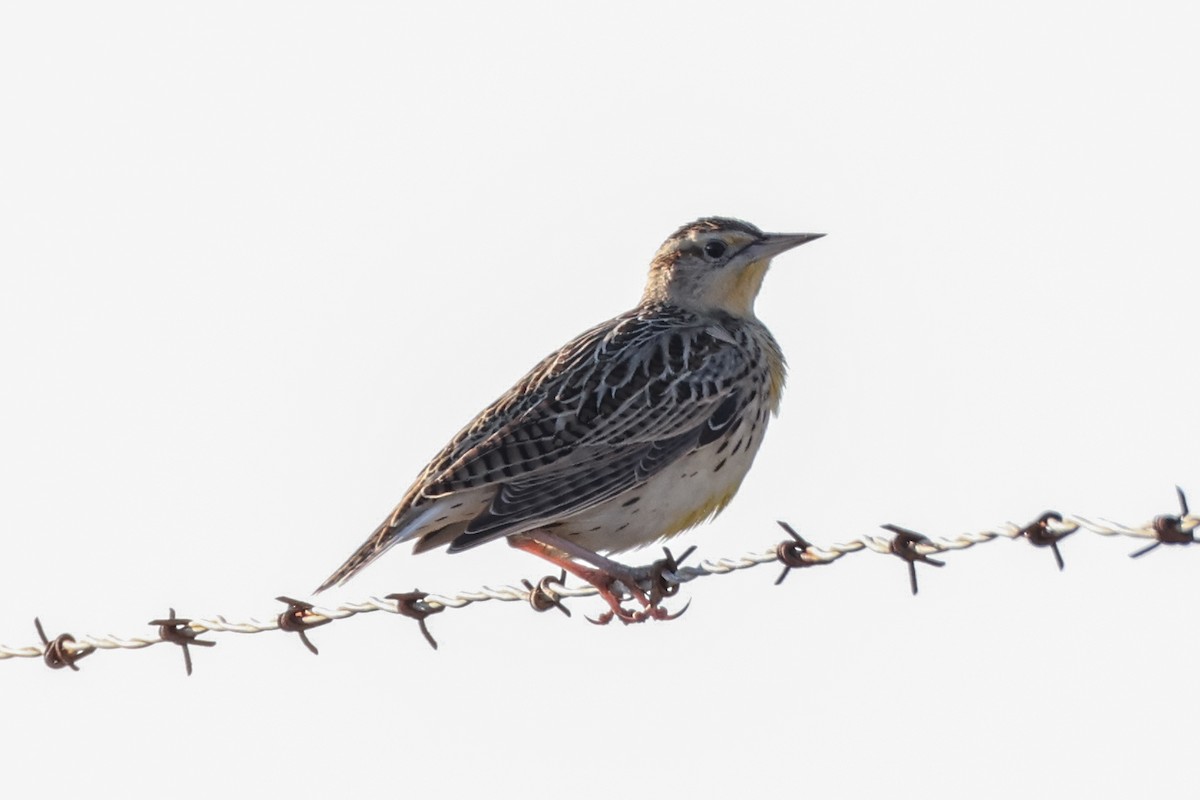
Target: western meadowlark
[{"x": 637, "y": 429}]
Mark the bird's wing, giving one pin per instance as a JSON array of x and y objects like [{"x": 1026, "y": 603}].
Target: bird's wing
[
  {"x": 635, "y": 400},
  {"x": 637, "y": 379},
  {"x": 606, "y": 472}
]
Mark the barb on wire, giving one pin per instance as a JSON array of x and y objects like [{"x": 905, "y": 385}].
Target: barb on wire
[
  {"x": 912, "y": 547},
  {"x": 1040, "y": 534},
  {"x": 793, "y": 554},
  {"x": 544, "y": 596},
  {"x": 1169, "y": 528},
  {"x": 298, "y": 618},
  {"x": 412, "y": 604},
  {"x": 59, "y": 654},
  {"x": 660, "y": 579},
  {"x": 175, "y": 630}
]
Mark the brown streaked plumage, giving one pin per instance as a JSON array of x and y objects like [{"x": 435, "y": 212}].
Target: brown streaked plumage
[{"x": 640, "y": 427}]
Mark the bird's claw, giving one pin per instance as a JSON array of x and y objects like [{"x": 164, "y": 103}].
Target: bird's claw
[
  {"x": 660, "y": 613},
  {"x": 628, "y": 617},
  {"x": 661, "y": 586}
]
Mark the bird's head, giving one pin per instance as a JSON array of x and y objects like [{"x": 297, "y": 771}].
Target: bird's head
[{"x": 716, "y": 264}]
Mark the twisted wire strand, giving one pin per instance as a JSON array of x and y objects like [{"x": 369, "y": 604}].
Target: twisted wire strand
[{"x": 431, "y": 603}]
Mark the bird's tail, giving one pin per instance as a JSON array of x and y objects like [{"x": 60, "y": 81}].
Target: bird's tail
[
  {"x": 398, "y": 527},
  {"x": 379, "y": 543}
]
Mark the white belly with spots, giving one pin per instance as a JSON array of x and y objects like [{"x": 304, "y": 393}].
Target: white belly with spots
[{"x": 686, "y": 493}]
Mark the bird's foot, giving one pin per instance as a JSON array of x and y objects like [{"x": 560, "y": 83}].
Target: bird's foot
[
  {"x": 651, "y": 583},
  {"x": 648, "y": 585},
  {"x": 659, "y": 580}
]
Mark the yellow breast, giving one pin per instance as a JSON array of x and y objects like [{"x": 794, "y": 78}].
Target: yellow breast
[
  {"x": 776, "y": 369},
  {"x": 707, "y": 509}
]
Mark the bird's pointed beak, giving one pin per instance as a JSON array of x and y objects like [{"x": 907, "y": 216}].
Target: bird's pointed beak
[{"x": 775, "y": 243}]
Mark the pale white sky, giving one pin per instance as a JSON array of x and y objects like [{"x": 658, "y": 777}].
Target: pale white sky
[{"x": 258, "y": 261}]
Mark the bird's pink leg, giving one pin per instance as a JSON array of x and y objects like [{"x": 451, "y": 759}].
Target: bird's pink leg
[
  {"x": 603, "y": 573},
  {"x": 602, "y": 580}
]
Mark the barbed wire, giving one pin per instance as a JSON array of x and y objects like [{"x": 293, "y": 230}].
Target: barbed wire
[{"x": 666, "y": 576}]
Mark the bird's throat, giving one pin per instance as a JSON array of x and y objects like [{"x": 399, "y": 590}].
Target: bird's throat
[{"x": 742, "y": 288}]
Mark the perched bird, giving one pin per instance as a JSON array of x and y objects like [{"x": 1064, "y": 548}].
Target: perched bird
[{"x": 637, "y": 429}]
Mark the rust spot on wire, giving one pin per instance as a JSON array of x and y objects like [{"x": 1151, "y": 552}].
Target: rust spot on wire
[
  {"x": 56, "y": 653},
  {"x": 543, "y": 597},
  {"x": 1168, "y": 528},
  {"x": 175, "y": 630},
  {"x": 412, "y": 605},
  {"x": 299, "y": 618},
  {"x": 904, "y": 546},
  {"x": 791, "y": 553},
  {"x": 1039, "y": 534}
]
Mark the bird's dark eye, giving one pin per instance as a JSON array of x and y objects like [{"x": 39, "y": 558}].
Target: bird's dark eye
[{"x": 714, "y": 249}]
